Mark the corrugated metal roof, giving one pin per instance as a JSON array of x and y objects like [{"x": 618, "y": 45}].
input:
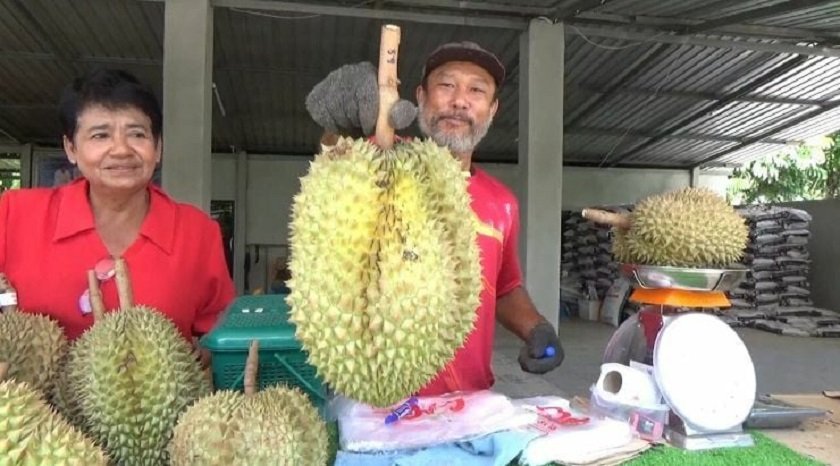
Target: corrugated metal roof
[{"x": 627, "y": 101}]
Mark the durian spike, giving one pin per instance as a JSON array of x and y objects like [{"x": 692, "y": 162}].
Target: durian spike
[
  {"x": 252, "y": 365},
  {"x": 95, "y": 295},
  {"x": 609, "y": 218},
  {"x": 389, "y": 45},
  {"x": 123, "y": 284},
  {"x": 4, "y": 369},
  {"x": 6, "y": 287}
]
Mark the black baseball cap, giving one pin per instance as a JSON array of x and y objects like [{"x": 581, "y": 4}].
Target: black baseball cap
[{"x": 465, "y": 51}]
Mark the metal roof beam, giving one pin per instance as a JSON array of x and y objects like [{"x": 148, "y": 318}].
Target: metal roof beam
[
  {"x": 576, "y": 7},
  {"x": 677, "y": 25},
  {"x": 638, "y": 166},
  {"x": 477, "y": 7},
  {"x": 681, "y": 136},
  {"x": 10, "y": 131},
  {"x": 771, "y": 132},
  {"x": 63, "y": 53},
  {"x": 40, "y": 56},
  {"x": 749, "y": 87},
  {"x": 613, "y": 32},
  {"x": 629, "y": 73},
  {"x": 384, "y": 14},
  {"x": 30, "y": 106},
  {"x": 704, "y": 95},
  {"x": 756, "y": 14}
]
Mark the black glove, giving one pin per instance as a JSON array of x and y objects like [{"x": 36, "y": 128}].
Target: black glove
[
  {"x": 533, "y": 357},
  {"x": 348, "y": 99}
]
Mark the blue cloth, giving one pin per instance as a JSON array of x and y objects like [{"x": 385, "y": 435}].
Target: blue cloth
[{"x": 497, "y": 449}]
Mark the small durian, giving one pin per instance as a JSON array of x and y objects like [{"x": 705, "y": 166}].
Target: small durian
[
  {"x": 689, "y": 227},
  {"x": 276, "y": 426},
  {"x": 34, "y": 345},
  {"x": 31, "y": 432},
  {"x": 132, "y": 374}
]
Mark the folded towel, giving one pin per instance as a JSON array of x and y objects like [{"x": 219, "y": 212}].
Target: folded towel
[{"x": 497, "y": 449}]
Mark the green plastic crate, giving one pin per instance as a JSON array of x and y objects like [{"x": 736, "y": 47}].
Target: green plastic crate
[{"x": 281, "y": 359}]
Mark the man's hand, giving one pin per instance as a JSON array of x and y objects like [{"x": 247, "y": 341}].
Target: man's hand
[
  {"x": 348, "y": 99},
  {"x": 535, "y": 356}
]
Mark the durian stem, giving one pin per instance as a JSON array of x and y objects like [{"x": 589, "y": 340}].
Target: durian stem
[
  {"x": 95, "y": 294},
  {"x": 388, "y": 94},
  {"x": 609, "y": 218},
  {"x": 4, "y": 369},
  {"x": 6, "y": 287},
  {"x": 329, "y": 138},
  {"x": 123, "y": 284},
  {"x": 252, "y": 365}
]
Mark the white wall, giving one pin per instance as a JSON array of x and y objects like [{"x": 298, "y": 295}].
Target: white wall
[
  {"x": 272, "y": 184},
  {"x": 590, "y": 187}
]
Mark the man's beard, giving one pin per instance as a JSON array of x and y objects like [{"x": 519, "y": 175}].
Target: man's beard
[{"x": 456, "y": 143}]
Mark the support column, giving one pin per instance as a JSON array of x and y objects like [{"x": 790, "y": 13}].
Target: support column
[
  {"x": 26, "y": 166},
  {"x": 187, "y": 100},
  {"x": 694, "y": 173},
  {"x": 240, "y": 221},
  {"x": 541, "y": 72}
]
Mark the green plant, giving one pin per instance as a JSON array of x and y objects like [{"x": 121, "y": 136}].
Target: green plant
[{"x": 809, "y": 171}]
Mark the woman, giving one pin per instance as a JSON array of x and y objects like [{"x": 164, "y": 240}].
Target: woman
[{"x": 50, "y": 238}]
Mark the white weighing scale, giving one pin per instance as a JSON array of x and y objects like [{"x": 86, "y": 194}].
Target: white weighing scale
[{"x": 701, "y": 366}]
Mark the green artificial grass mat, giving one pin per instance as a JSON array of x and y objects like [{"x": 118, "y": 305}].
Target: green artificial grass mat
[{"x": 765, "y": 452}]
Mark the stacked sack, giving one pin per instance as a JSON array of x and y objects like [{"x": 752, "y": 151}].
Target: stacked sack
[
  {"x": 778, "y": 258},
  {"x": 775, "y": 296},
  {"x": 587, "y": 258}
]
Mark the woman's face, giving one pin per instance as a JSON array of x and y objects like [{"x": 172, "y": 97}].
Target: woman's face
[{"x": 114, "y": 148}]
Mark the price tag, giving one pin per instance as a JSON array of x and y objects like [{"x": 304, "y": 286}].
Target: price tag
[{"x": 8, "y": 299}]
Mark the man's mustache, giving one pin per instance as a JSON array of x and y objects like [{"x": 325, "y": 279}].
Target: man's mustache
[{"x": 453, "y": 116}]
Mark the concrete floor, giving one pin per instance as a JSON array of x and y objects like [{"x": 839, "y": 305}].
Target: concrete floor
[{"x": 783, "y": 364}]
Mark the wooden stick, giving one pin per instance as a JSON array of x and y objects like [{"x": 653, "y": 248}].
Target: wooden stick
[
  {"x": 252, "y": 365},
  {"x": 388, "y": 93},
  {"x": 4, "y": 369},
  {"x": 123, "y": 284},
  {"x": 609, "y": 218},
  {"x": 97, "y": 304}
]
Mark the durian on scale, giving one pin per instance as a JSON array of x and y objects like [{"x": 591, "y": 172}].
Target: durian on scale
[{"x": 688, "y": 227}]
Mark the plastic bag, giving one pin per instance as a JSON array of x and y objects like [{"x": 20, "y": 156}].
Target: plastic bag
[
  {"x": 614, "y": 301},
  {"x": 434, "y": 420},
  {"x": 570, "y": 437}
]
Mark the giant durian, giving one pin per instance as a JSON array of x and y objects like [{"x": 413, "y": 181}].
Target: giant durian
[
  {"x": 32, "y": 433},
  {"x": 688, "y": 227},
  {"x": 384, "y": 261},
  {"x": 132, "y": 374},
  {"x": 34, "y": 345},
  {"x": 276, "y": 426}
]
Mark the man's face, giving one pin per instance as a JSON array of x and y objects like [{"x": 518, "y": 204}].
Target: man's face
[{"x": 457, "y": 105}]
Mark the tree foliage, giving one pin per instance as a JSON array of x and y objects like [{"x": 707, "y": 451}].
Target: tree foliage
[{"x": 810, "y": 171}]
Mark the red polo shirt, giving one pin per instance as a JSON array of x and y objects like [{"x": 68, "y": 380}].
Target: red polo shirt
[
  {"x": 496, "y": 212},
  {"x": 177, "y": 265}
]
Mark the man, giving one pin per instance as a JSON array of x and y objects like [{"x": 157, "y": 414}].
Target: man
[{"x": 457, "y": 100}]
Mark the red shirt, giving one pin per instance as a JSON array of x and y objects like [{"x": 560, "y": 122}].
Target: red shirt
[
  {"x": 497, "y": 211},
  {"x": 176, "y": 265}
]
